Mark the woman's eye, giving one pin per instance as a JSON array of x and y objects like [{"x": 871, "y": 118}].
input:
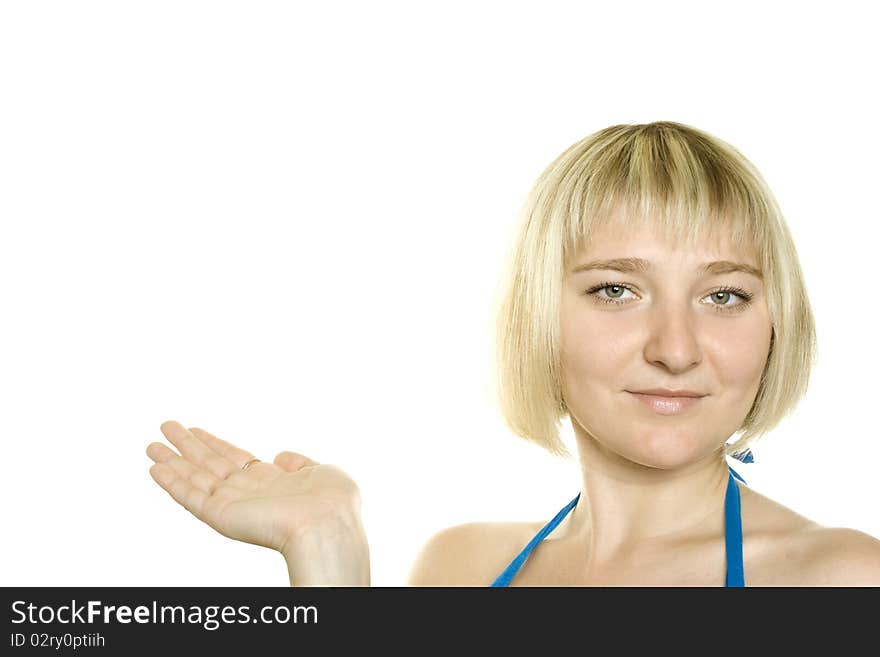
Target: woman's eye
[
  {"x": 615, "y": 292},
  {"x": 724, "y": 299},
  {"x": 727, "y": 294}
]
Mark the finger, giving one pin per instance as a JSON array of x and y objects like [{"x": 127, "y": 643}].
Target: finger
[
  {"x": 225, "y": 449},
  {"x": 195, "y": 451},
  {"x": 293, "y": 461},
  {"x": 257, "y": 473},
  {"x": 201, "y": 479},
  {"x": 183, "y": 492}
]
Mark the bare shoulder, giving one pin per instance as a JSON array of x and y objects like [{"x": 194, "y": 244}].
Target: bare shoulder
[
  {"x": 839, "y": 556},
  {"x": 470, "y": 554},
  {"x": 790, "y": 550}
]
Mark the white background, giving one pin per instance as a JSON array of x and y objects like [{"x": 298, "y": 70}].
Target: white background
[{"x": 284, "y": 223}]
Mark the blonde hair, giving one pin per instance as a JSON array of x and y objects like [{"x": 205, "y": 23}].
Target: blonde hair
[{"x": 691, "y": 186}]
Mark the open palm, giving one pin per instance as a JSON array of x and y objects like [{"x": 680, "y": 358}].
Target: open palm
[{"x": 267, "y": 504}]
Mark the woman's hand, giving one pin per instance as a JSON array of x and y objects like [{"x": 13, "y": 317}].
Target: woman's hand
[{"x": 277, "y": 505}]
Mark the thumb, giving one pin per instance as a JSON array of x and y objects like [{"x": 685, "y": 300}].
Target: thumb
[{"x": 293, "y": 461}]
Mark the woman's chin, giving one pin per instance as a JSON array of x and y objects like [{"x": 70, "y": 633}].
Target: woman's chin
[{"x": 663, "y": 452}]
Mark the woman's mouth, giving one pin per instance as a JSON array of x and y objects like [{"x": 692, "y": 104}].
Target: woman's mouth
[{"x": 666, "y": 405}]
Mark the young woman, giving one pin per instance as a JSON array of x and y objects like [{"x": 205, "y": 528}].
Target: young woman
[{"x": 654, "y": 298}]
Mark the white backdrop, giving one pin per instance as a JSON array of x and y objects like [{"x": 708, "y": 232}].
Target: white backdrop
[{"x": 284, "y": 223}]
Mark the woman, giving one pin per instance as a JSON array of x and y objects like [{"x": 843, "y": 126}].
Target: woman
[{"x": 654, "y": 297}]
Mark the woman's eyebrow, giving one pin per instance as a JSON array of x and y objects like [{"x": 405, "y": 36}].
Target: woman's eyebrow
[{"x": 639, "y": 265}]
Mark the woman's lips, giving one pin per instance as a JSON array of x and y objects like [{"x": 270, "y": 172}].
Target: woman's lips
[{"x": 666, "y": 405}]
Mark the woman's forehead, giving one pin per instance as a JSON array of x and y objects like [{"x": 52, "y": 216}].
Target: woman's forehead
[{"x": 649, "y": 243}]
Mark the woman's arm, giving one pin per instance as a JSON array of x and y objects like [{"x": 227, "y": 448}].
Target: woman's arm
[{"x": 337, "y": 554}]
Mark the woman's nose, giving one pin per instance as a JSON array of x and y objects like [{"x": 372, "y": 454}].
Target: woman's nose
[{"x": 672, "y": 339}]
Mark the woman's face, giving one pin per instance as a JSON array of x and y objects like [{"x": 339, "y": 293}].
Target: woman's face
[{"x": 671, "y": 326}]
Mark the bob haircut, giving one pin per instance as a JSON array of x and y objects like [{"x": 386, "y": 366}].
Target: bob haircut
[{"x": 692, "y": 187}]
